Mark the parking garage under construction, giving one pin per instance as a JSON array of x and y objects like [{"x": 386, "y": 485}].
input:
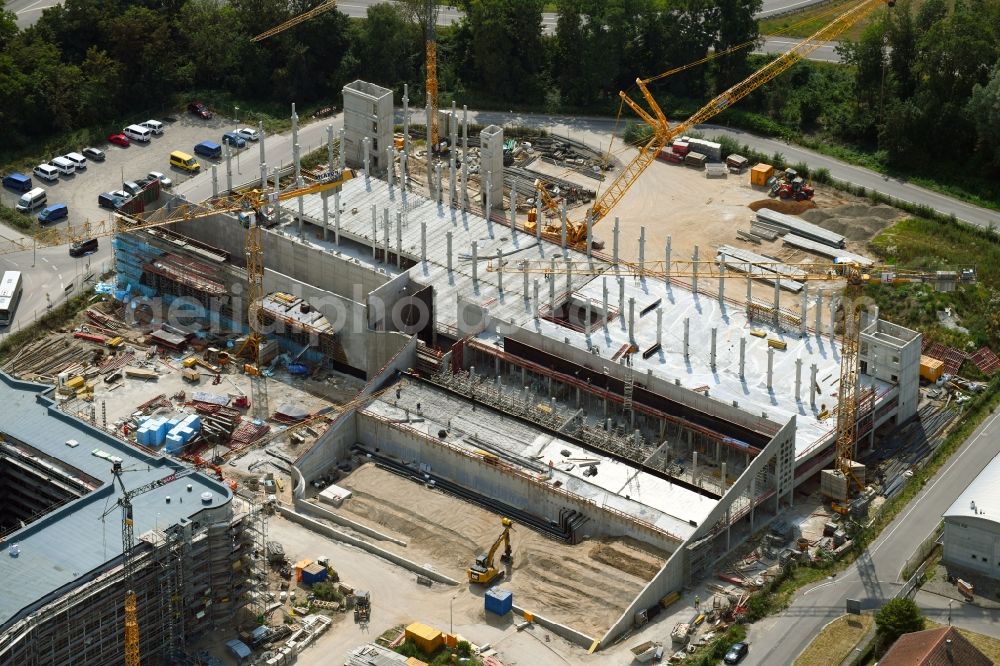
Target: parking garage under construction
[{"x": 673, "y": 413}]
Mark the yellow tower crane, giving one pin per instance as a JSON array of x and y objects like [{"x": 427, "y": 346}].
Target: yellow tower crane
[
  {"x": 132, "y": 656},
  {"x": 664, "y": 132},
  {"x": 295, "y": 20},
  {"x": 856, "y": 277}
]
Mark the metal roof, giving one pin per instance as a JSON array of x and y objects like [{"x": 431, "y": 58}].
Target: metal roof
[
  {"x": 71, "y": 545},
  {"x": 981, "y": 499}
]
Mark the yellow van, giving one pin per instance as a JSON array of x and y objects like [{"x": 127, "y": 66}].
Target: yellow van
[{"x": 184, "y": 161}]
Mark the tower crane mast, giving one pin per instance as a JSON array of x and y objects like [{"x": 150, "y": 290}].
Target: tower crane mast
[{"x": 132, "y": 656}]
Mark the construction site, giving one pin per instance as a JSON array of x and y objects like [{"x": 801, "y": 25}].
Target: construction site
[{"x": 439, "y": 336}]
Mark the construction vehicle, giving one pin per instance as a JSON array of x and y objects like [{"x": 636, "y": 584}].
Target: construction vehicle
[
  {"x": 132, "y": 656},
  {"x": 856, "y": 278},
  {"x": 579, "y": 232},
  {"x": 484, "y": 571},
  {"x": 791, "y": 186},
  {"x": 362, "y": 607}
]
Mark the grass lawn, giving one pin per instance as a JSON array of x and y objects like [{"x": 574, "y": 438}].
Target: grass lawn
[
  {"x": 836, "y": 641},
  {"x": 988, "y": 645},
  {"x": 807, "y": 21}
]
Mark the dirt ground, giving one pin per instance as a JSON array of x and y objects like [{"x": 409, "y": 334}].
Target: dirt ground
[{"x": 586, "y": 586}]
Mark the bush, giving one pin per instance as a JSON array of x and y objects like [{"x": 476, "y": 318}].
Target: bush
[
  {"x": 637, "y": 133},
  {"x": 822, "y": 175},
  {"x": 327, "y": 592}
]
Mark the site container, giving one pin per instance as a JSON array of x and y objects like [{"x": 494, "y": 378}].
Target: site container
[
  {"x": 760, "y": 173},
  {"x": 499, "y": 601},
  {"x": 931, "y": 369},
  {"x": 681, "y": 147},
  {"x": 428, "y": 639}
]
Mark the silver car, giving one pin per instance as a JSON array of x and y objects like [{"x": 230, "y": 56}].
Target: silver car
[
  {"x": 248, "y": 134},
  {"x": 164, "y": 180}
]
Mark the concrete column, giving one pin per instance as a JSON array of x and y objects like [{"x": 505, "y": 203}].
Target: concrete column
[
  {"x": 437, "y": 184},
  {"x": 277, "y": 208},
  {"x": 694, "y": 467},
  {"x": 536, "y": 296},
  {"x": 712, "y": 354},
  {"x": 402, "y": 173},
  {"x": 464, "y": 194},
  {"x": 604, "y": 298},
  {"x": 336, "y": 218},
  {"x": 631, "y": 320},
  {"x": 215, "y": 181},
  {"x": 513, "y": 215},
  {"x": 562, "y": 229},
  {"x": 448, "y": 239},
  {"x": 430, "y": 151},
  {"x": 642, "y": 246},
  {"x": 636, "y": 436},
  {"x": 749, "y": 289},
  {"x": 343, "y": 152},
  {"x": 385, "y": 235},
  {"x": 777, "y": 304},
  {"x": 621, "y": 295},
  {"x": 260, "y": 144},
  {"x": 588, "y": 317},
  {"x": 399, "y": 239},
  {"x": 819, "y": 312},
  {"x": 659, "y": 326},
  {"x": 694, "y": 271},
  {"x": 667, "y": 251},
  {"x": 614, "y": 240},
  {"x": 367, "y": 156},
  {"x": 812, "y": 385},
  {"x": 687, "y": 337},
  {"x": 539, "y": 216},
  {"x": 329, "y": 148},
  {"x": 452, "y": 149},
  {"x": 423, "y": 242},
  {"x": 798, "y": 378},
  {"x": 722, "y": 282},
  {"x": 770, "y": 368},
  {"x": 263, "y": 177},
  {"x": 805, "y": 306},
  {"x": 489, "y": 202},
  {"x": 390, "y": 159},
  {"x": 374, "y": 232},
  {"x": 229, "y": 168},
  {"x": 296, "y": 156},
  {"x": 743, "y": 355},
  {"x": 552, "y": 286},
  {"x": 524, "y": 275},
  {"x": 499, "y": 270},
  {"x": 325, "y": 198},
  {"x": 406, "y": 118},
  {"x": 475, "y": 265}
]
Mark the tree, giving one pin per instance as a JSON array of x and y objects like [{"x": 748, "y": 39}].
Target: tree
[
  {"x": 389, "y": 46},
  {"x": 507, "y": 53},
  {"x": 984, "y": 108},
  {"x": 737, "y": 24},
  {"x": 898, "y": 617}
]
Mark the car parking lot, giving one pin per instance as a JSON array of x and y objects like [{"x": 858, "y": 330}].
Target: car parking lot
[{"x": 181, "y": 131}]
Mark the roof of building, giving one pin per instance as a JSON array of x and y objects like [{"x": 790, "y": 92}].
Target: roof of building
[
  {"x": 981, "y": 498},
  {"x": 44, "y": 565},
  {"x": 931, "y": 648}
]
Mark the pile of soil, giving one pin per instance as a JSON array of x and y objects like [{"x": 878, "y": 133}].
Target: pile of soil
[
  {"x": 855, "y": 221},
  {"x": 783, "y": 206}
]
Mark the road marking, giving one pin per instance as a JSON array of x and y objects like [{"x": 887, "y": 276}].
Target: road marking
[{"x": 940, "y": 476}]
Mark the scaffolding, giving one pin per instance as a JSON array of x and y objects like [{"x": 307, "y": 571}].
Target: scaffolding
[{"x": 256, "y": 528}]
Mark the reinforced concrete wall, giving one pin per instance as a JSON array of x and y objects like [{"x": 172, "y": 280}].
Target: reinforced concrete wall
[
  {"x": 517, "y": 489},
  {"x": 368, "y": 114},
  {"x": 674, "y": 573},
  {"x": 491, "y": 164},
  {"x": 891, "y": 353}
]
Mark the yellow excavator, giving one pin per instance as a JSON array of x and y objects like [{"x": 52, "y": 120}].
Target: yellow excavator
[{"x": 484, "y": 571}]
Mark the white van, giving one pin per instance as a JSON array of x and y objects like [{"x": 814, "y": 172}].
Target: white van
[
  {"x": 78, "y": 160},
  {"x": 64, "y": 165},
  {"x": 31, "y": 200},
  {"x": 138, "y": 133},
  {"x": 154, "y": 126},
  {"x": 47, "y": 172}
]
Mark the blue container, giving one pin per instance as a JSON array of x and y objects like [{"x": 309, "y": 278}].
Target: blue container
[{"x": 499, "y": 601}]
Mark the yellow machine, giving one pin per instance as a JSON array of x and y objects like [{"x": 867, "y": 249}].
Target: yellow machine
[{"x": 484, "y": 571}]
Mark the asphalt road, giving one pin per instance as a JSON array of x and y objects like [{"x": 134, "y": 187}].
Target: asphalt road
[
  {"x": 874, "y": 578},
  {"x": 776, "y": 45}
]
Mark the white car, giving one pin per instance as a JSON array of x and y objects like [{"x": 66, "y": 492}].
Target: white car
[
  {"x": 248, "y": 134},
  {"x": 164, "y": 181},
  {"x": 47, "y": 172}
]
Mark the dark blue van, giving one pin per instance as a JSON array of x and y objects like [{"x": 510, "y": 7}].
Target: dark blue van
[
  {"x": 208, "y": 149},
  {"x": 17, "y": 181},
  {"x": 53, "y": 213}
]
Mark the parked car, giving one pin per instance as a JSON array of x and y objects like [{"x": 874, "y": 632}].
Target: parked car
[
  {"x": 200, "y": 110},
  {"x": 17, "y": 181},
  {"x": 112, "y": 200},
  {"x": 164, "y": 181},
  {"x": 234, "y": 139},
  {"x": 208, "y": 149},
  {"x": 46, "y": 172},
  {"x": 77, "y": 159},
  {"x": 248, "y": 133},
  {"x": 53, "y": 213},
  {"x": 131, "y": 187},
  {"x": 119, "y": 140},
  {"x": 736, "y": 653},
  {"x": 80, "y": 248},
  {"x": 95, "y": 154},
  {"x": 154, "y": 126}
]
